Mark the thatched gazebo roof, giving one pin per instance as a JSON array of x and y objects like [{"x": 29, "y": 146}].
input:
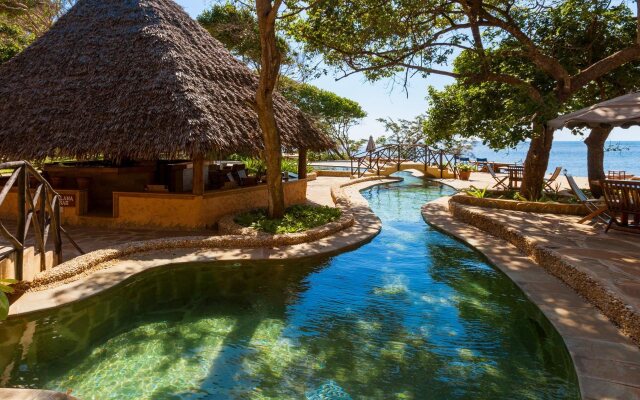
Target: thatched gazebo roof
[{"x": 137, "y": 79}]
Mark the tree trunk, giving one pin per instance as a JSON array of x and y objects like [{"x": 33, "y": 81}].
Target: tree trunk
[
  {"x": 595, "y": 157},
  {"x": 302, "y": 163},
  {"x": 535, "y": 165},
  {"x": 269, "y": 70}
]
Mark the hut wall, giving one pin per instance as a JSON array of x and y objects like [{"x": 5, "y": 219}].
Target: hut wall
[
  {"x": 76, "y": 201},
  {"x": 164, "y": 210},
  {"x": 185, "y": 211}
]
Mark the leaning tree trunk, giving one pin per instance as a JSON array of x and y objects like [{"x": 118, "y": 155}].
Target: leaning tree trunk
[
  {"x": 535, "y": 165},
  {"x": 595, "y": 158},
  {"x": 269, "y": 70}
]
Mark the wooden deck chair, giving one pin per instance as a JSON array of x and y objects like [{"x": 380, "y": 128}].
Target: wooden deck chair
[
  {"x": 499, "y": 181},
  {"x": 481, "y": 164},
  {"x": 597, "y": 208},
  {"x": 623, "y": 201},
  {"x": 552, "y": 178}
]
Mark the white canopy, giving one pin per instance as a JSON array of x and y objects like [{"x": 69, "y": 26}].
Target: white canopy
[{"x": 622, "y": 111}]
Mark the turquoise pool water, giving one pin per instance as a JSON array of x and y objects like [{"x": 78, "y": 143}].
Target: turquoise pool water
[{"x": 413, "y": 314}]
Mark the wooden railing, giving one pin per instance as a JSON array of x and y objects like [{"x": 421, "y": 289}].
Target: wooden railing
[
  {"x": 38, "y": 206},
  {"x": 396, "y": 154}
]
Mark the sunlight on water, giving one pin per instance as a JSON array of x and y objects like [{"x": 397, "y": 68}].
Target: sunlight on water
[{"x": 411, "y": 315}]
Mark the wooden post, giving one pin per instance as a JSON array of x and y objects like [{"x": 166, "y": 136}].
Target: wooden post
[
  {"x": 57, "y": 230},
  {"x": 198, "y": 175},
  {"x": 302, "y": 163},
  {"x": 22, "y": 219}
]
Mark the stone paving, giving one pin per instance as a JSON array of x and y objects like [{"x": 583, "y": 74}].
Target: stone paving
[{"x": 483, "y": 180}]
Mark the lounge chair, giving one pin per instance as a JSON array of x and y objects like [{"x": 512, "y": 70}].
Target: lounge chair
[
  {"x": 597, "y": 208},
  {"x": 552, "y": 178},
  {"x": 499, "y": 180},
  {"x": 463, "y": 160},
  {"x": 623, "y": 201}
]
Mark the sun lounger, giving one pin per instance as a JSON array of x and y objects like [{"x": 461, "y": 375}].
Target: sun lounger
[
  {"x": 597, "y": 208},
  {"x": 499, "y": 180},
  {"x": 552, "y": 178}
]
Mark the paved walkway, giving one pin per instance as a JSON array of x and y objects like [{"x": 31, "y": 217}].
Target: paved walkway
[{"x": 483, "y": 180}]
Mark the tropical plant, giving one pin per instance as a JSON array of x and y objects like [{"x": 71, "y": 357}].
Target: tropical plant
[
  {"x": 476, "y": 192},
  {"x": 297, "y": 218},
  {"x": 5, "y": 287},
  {"x": 464, "y": 167}
]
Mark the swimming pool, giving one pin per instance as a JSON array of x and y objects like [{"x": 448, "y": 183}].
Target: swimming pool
[{"x": 413, "y": 314}]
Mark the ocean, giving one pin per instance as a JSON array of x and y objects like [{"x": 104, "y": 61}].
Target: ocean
[{"x": 572, "y": 156}]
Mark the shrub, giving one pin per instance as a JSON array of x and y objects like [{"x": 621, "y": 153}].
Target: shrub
[
  {"x": 297, "y": 218},
  {"x": 4, "y": 301}
]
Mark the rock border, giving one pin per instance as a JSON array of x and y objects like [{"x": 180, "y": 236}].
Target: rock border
[
  {"x": 621, "y": 314},
  {"x": 517, "y": 205},
  {"x": 79, "y": 266}
]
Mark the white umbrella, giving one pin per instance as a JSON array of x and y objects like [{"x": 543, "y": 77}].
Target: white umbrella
[{"x": 622, "y": 111}]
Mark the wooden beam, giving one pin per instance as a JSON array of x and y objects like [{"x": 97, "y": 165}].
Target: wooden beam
[
  {"x": 198, "y": 175},
  {"x": 302, "y": 163}
]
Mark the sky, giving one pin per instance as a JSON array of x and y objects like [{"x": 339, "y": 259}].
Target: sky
[{"x": 384, "y": 100}]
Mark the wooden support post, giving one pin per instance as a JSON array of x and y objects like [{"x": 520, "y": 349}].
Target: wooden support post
[
  {"x": 198, "y": 175},
  {"x": 57, "y": 230},
  {"x": 22, "y": 219},
  {"x": 302, "y": 163}
]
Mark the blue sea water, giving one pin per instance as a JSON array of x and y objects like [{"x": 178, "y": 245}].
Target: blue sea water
[{"x": 572, "y": 156}]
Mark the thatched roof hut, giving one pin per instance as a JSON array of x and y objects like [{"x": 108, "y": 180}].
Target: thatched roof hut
[{"x": 137, "y": 79}]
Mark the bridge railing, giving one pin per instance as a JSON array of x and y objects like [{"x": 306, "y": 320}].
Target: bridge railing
[
  {"x": 396, "y": 154},
  {"x": 38, "y": 206}
]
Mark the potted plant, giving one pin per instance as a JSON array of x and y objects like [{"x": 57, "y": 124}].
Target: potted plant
[{"x": 464, "y": 171}]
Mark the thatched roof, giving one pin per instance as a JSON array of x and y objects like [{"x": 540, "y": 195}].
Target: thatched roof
[{"x": 137, "y": 79}]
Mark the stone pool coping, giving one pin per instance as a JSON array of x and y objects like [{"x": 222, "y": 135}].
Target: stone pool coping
[
  {"x": 33, "y": 394},
  {"x": 607, "y": 362},
  {"x": 100, "y": 270}
]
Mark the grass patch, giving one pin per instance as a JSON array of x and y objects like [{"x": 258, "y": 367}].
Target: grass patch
[{"x": 297, "y": 218}]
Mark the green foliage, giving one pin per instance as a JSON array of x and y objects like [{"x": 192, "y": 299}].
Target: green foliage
[
  {"x": 22, "y": 21},
  {"x": 476, "y": 192},
  {"x": 297, "y": 218},
  {"x": 506, "y": 74},
  {"x": 403, "y": 130},
  {"x": 236, "y": 26},
  {"x": 5, "y": 287},
  {"x": 13, "y": 39},
  {"x": 576, "y": 33},
  {"x": 258, "y": 166},
  {"x": 333, "y": 113}
]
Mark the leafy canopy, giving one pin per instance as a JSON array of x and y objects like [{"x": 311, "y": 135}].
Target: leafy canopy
[{"x": 576, "y": 33}]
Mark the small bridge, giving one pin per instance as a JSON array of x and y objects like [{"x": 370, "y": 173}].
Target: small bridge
[{"x": 391, "y": 158}]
